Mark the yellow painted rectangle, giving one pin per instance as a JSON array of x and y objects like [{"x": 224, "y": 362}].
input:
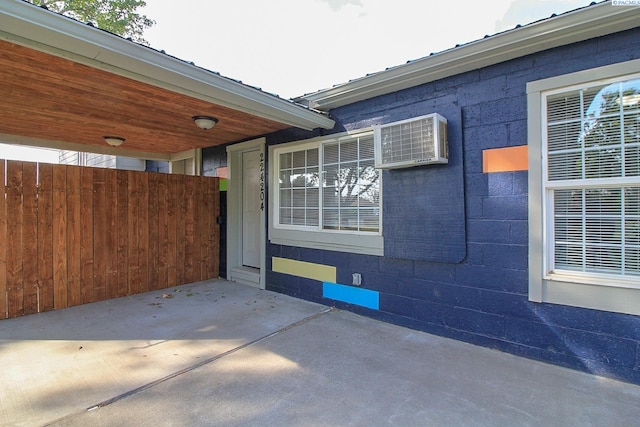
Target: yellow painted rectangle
[
  {"x": 323, "y": 273},
  {"x": 508, "y": 159}
]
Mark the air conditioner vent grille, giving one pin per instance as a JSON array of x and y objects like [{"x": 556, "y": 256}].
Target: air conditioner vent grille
[
  {"x": 407, "y": 141},
  {"x": 412, "y": 142}
]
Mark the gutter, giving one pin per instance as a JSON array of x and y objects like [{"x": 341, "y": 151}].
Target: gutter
[
  {"x": 37, "y": 28},
  {"x": 571, "y": 27}
]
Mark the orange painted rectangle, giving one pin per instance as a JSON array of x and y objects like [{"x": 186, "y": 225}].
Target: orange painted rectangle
[
  {"x": 508, "y": 159},
  {"x": 222, "y": 172}
]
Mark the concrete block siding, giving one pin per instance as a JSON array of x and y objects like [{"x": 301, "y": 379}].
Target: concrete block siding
[{"x": 482, "y": 299}]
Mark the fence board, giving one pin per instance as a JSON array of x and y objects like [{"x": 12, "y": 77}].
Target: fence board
[
  {"x": 123, "y": 233},
  {"x": 74, "y": 296},
  {"x": 213, "y": 229},
  {"x": 45, "y": 237},
  {"x": 154, "y": 231},
  {"x": 199, "y": 224},
  {"x": 87, "y": 293},
  {"x": 189, "y": 253},
  {"x": 111, "y": 239},
  {"x": 172, "y": 230},
  {"x": 208, "y": 224},
  {"x": 198, "y": 237},
  {"x": 30, "y": 237},
  {"x": 163, "y": 230},
  {"x": 14, "y": 239},
  {"x": 202, "y": 228},
  {"x": 3, "y": 238},
  {"x": 133, "y": 245},
  {"x": 142, "y": 180},
  {"x": 203, "y": 225},
  {"x": 60, "y": 227},
  {"x": 181, "y": 209},
  {"x": 99, "y": 235},
  {"x": 213, "y": 212}
]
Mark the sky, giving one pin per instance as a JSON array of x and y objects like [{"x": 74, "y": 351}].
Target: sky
[
  {"x": 294, "y": 47},
  {"x": 30, "y": 154}
]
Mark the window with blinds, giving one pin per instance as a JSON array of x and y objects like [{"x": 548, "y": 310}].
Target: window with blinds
[
  {"x": 299, "y": 187},
  {"x": 330, "y": 185},
  {"x": 592, "y": 182},
  {"x": 351, "y": 190}
]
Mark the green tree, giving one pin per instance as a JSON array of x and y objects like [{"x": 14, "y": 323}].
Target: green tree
[{"x": 116, "y": 16}]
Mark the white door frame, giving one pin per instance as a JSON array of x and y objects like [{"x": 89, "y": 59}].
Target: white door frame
[{"x": 235, "y": 270}]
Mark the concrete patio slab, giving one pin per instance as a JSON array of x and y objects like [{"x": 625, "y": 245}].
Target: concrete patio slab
[
  {"x": 234, "y": 355},
  {"x": 59, "y": 362}
]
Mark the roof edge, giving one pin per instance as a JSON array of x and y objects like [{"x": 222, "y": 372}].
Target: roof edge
[
  {"x": 37, "y": 28},
  {"x": 574, "y": 26}
]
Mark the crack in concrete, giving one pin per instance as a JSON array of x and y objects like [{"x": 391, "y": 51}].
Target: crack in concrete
[{"x": 187, "y": 369}]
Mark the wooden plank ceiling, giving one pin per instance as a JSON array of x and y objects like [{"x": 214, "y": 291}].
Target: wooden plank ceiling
[{"x": 52, "y": 98}]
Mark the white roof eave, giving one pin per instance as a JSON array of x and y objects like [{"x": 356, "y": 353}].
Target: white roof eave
[
  {"x": 37, "y": 28},
  {"x": 592, "y": 21}
]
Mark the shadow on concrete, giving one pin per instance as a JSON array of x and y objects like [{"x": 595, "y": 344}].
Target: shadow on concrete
[{"x": 259, "y": 358}]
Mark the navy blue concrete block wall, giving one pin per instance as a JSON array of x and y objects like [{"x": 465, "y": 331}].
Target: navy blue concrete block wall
[
  {"x": 482, "y": 297},
  {"x": 213, "y": 158},
  {"x": 156, "y": 166}
]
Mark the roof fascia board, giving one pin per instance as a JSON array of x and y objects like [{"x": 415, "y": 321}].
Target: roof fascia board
[
  {"x": 34, "y": 27},
  {"x": 590, "y": 22}
]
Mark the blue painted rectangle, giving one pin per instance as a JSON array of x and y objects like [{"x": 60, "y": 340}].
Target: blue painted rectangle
[{"x": 363, "y": 297}]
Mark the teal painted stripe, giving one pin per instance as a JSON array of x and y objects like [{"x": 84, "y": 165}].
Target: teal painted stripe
[{"x": 363, "y": 297}]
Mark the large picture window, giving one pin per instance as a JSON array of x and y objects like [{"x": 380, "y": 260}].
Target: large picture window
[
  {"x": 592, "y": 179},
  {"x": 584, "y": 201},
  {"x": 330, "y": 187}
]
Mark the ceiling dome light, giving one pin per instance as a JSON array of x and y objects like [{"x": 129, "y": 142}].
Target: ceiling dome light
[
  {"x": 205, "y": 122},
  {"x": 114, "y": 141}
]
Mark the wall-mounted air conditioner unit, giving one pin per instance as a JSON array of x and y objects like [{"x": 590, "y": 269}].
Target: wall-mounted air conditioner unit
[{"x": 414, "y": 142}]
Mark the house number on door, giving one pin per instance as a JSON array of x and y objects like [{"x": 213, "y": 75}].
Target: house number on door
[{"x": 262, "y": 182}]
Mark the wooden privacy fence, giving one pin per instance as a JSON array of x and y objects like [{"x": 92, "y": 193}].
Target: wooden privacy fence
[{"x": 71, "y": 235}]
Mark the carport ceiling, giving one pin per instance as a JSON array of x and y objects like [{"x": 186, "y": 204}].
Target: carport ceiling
[{"x": 51, "y": 98}]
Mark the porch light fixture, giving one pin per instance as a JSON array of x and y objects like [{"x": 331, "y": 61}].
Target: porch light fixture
[
  {"x": 114, "y": 141},
  {"x": 205, "y": 122}
]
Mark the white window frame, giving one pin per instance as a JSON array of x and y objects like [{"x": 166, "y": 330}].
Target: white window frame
[
  {"x": 580, "y": 290},
  {"x": 370, "y": 243}
]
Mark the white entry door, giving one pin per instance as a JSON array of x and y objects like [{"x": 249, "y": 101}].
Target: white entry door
[
  {"x": 246, "y": 219},
  {"x": 251, "y": 208}
]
